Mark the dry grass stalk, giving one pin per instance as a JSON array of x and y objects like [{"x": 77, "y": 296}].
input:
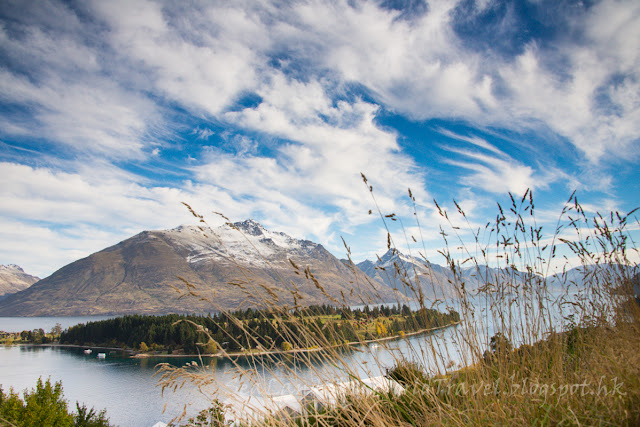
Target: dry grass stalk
[{"x": 575, "y": 359}]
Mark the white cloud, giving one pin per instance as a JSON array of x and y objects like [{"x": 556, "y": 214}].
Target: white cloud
[
  {"x": 92, "y": 117},
  {"x": 477, "y": 141},
  {"x": 104, "y": 86},
  {"x": 496, "y": 171},
  {"x": 613, "y": 29},
  {"x": 60, "y": 52},
  {"x": 95, "y": 195},
  {"x": 32, "y": 245},
  {"x": 498, "y": 176},
  {"x": 82, "y": 212},
  {"x": 415, "y": 66},
  {"x": 205, "y": 57},
  {"x": 330, "y": 145},
  {"x": 202, "y": 65},
  {"x": 596, "y": 104},
  {"x": 421, "y": 68},
  {"x": 64, "y": 94},
  {"x": 203, "y": 133}
]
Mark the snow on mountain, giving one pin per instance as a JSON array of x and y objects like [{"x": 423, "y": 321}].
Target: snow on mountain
[
  {"x": 229, "y": 267},
  {"x": 245, "y": 242},
  {"x": 394, "y": 262},
  {"x": 396, "y": 269},
  {"x": 602, "y": 274},
  {"x": 403, "y": 271},
  {"x": 11, "y": 268},
  {"x": 14, "y": 279}
]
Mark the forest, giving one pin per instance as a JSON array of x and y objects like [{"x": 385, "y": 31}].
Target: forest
[{"x": 255, "y": 329}]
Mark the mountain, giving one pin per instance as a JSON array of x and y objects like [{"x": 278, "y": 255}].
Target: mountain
[
  {"x": 396, "y": 270},
  {"x": 229, "y": 267},
  {"x": 13, "y": 279},
  {"x": 601, "y": 274},
  {"x": 404, "y": 272}
]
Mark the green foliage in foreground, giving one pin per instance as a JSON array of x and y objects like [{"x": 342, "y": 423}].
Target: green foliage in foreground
[
  {"x": 45, "y": 406},
  {"x": 256, "y": 329}
]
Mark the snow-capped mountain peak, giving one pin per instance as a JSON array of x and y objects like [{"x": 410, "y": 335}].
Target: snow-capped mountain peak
[
  {"x": 14, "y": 279},
  {"x": 250, "y": 226},
  {"x": 11, "y": 267},
  {"x": 244, "y": 242},
  {"x": 231, "y": 266},
  {"x": 395, "y": 256},
  {"x": 388, "y": 256}
]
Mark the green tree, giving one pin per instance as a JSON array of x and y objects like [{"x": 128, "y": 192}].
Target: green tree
[
  {"x": 56, "y": 330},
  {"x": 11, "y": 406},
  {"x": 211, "y": 347},
  {"x": 500, "y": 348},
  {"x": 211, "y": 417},
  {"x": 45, "y": 406},
  {"x": 90, "y": 418}
]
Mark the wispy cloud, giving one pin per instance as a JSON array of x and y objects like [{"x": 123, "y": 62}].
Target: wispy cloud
[
  {"x": 116, "y": 111},
  {"x": 201, "y": 62},
  {"x": 203, "y": 133},
  {"x": 493, "y": 170},
  {"x": 324, "y": 148},
  {"x": 477, "y": 141},
  {"x": 89, "y": 117}
]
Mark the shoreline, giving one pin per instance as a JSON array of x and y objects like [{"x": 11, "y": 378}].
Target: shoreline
[
  {"x": 96, "y": 347},
  {"x": 295, "y": 350},
  {"x": 137, "y": 355}
]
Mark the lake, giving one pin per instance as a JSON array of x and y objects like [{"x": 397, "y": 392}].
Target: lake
[
  {"x": 128, "y": 390},
  {"x": 19, "y": 324},
  {"x": 126, "y": 387}
]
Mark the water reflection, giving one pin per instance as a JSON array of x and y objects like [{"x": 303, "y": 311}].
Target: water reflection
[{"x": 30, "y": 349}]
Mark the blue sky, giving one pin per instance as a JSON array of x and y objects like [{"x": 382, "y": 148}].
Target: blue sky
[{"x": 115, "y": 112}]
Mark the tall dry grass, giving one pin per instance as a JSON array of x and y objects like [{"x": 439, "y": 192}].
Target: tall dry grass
[{"x": 530, "y": 350}]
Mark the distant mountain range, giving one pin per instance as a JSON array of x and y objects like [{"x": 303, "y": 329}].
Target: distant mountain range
[
  {"x": 13, "y": 279},
  {"x": 230, "y": 267},
  {"x": 405, "y": 273},
  {"x": 414, "y": 276}
]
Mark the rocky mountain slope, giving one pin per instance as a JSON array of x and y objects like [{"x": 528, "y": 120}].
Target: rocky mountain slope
[
  {"x": 229, "y": 267},
  {"x": 13, "y": 279}
]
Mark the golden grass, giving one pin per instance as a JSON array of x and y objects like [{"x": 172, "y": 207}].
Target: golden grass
[{"x": 582, "y": 368}]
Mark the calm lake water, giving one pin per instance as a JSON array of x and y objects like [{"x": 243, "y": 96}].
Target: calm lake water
[
  {"x": 19, "y": 324},
  {"x": 127, "y": 389}
]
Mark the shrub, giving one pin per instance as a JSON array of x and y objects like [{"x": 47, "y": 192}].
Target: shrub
[
  {"x": 45, "y": 406},
  {"x": 286, "y": 346},
  {"x": 407, "y": 373}
]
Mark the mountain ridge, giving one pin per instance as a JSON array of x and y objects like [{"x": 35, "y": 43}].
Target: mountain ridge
[
  {"x": 228, "y": 267},
  {"x": 14, "y": 279},
  {"x": 403, "y": 272}
]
